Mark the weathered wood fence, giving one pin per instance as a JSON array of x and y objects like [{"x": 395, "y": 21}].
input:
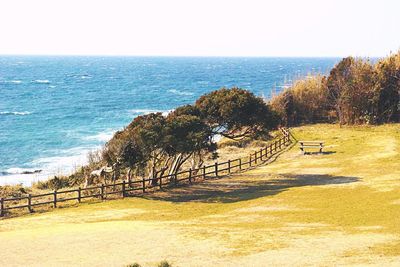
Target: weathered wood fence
[{"x": 126, "y": 188}]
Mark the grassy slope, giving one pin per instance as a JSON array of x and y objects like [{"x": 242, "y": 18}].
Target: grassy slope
[{"x": 342, "y": 207}]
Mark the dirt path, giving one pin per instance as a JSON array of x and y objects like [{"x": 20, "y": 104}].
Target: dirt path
[{"x": 323, "y": 210}]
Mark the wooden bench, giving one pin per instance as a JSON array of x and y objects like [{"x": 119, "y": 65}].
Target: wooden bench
[{"x": 311, "y": 144}]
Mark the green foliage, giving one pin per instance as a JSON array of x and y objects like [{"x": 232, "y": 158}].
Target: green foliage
[
  {"x": 186, "y": 132},
  {"x": 133, "y": 265},
  {"x": 155, "y": 144},
  {"x": 236, "y": 113}
]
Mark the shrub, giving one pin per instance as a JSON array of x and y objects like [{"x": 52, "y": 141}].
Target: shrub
[
  {"x": 13, "y": 191},
  {"x": 164, "y": 264},
  {"x": 387, "y": 89},
  {"x": 351, "y": 90},
  {"x": 306, "y": 101}
]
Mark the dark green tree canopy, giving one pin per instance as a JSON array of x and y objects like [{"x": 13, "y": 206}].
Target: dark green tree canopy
[
  {"x": 163, "y": 144},
  {"x": 185, "y": 132},
  {"x": 236, "y": 113}
]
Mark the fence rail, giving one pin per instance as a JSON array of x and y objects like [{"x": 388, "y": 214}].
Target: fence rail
[{"x": 125, "y": 187}]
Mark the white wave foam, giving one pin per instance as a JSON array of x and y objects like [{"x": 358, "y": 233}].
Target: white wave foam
[
  {"x": 174, "y": 91},
  {"x": 102, "y": 136},
  {"x": 42, "y": 81},
  {"x": 20, "y": 113},
  {"x": 144, "y": 111},
  {"x": 165, "y": 113},
  {"x": 15, "y": 81},
  {"x": 65, "y": 164},
  {"x": 68, "y": 161},
  {"x": 11, "y": 81},
  {"x": 203, "y": 82},
  {"x": 148, "y": 111}
]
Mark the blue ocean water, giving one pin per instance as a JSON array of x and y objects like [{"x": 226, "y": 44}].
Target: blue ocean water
[{"x": 54, "y": 110}]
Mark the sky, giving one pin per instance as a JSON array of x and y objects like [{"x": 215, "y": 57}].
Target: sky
[{"x": 302, "y": 28}]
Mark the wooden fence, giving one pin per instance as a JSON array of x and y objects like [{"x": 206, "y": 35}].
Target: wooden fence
[{"x": 126, "y": 188}]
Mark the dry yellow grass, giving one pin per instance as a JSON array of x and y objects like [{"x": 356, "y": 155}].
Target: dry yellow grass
[{"x": 339, "y": 208}]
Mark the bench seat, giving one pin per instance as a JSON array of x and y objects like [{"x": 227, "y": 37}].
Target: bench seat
[{"x": 311, "y": 144}]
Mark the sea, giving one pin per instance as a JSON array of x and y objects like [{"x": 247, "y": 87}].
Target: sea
[{"x": 54, "y": 110}]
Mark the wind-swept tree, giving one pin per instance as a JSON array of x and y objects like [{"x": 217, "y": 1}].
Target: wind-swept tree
[
  {"x": 236, "y": 113},
  {"x": 187, "y": 136}
]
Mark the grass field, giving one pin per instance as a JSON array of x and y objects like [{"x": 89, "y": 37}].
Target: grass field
[{"x": 338, "y": 208}]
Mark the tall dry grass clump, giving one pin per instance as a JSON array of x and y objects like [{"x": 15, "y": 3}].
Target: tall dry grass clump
[
  {"x": 356, "y": 91},
  {"x": 306, "y": 101}
]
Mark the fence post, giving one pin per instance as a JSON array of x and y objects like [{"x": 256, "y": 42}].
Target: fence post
[
  {"x": 102, "y": 191},
  {"x": 55, "y": 199},
  {"x": 30, "y": 203},
  {"x": 280, "y": 143},
  {"x": 123, "y": 188},
  {"x": 190, "y": 175},
  {"x": 276, "y": 146},
  {"x": 79, "y": 195},
  {"x": 229, "y": 167},
  {"x": 240, "y": 164},
  {"x": 216, "y": 169},
  {"x": 250, "y": 161},
  {"x": 255, "y": 157},
  {"x": 2, "y": 207},
  {"x": 204, "y": 172},
  {"x": 143, "y": 185}
]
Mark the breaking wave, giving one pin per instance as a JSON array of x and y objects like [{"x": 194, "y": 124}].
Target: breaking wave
[
  {"x": 18, "y": 113},
  {"x": 174, "y": 91}
]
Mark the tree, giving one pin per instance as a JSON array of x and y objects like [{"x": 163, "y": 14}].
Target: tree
[
  {"x": 387, "y": 89},
  {"x": 187, "y": 136},
  {"x": 148, "y": 131},
  {"x": 350, "y": 88},
  {"x": 236, "y": 113}
]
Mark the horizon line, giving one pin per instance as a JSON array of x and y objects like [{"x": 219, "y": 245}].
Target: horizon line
[{"x": 190, "y": 56}]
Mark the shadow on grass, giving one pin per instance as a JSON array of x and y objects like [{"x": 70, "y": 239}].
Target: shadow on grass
[{"x": 228, "y": 191}]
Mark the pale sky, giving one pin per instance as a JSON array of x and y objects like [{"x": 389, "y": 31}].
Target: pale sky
[{"x": 200, "y": 28}]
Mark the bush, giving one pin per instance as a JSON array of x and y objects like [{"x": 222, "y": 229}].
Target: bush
[
  {"x": 164, "y": 264},
  {"x": 351, "y": 90},
  {"x": 387, "y": 89},
  {"x": 13, "y": 191},
  {"x": 58, "y": 182},
  {"x": 355, "y": 92},
  {"x": 304, "y": 102}
]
